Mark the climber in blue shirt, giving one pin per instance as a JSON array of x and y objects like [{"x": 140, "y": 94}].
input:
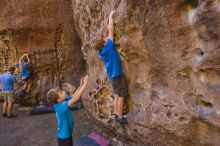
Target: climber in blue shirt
[
  {"x": 24, "y": 62},
  {"x": 108, "y": 53}
]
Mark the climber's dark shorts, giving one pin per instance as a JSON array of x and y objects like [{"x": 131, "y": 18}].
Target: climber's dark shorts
[
  {"x": 65, "y": 141},
  {"x": 119, "y": 86}
]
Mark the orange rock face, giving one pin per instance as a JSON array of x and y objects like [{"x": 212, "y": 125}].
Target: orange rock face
[
  {"x": 171, "y": 64},
  {"x": 45, "y": 30}
]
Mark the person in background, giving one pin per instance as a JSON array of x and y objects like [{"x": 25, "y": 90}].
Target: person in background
[
  {"x": 8, "y": 80},
  {"x": 24, "y": 62}
]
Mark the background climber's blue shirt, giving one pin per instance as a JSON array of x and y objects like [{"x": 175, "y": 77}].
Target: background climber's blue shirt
[
  {"x": 64, "y": 119},
  {"x": 7, "y": 81},
  {"x": 111, "y": 59},
  {"x": 24, "y": 71}
]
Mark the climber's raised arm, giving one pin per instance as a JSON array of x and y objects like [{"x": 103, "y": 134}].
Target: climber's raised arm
[
  {"x": 111, "y": 26},
  {"x": 28, "y": 58},
  {"x": 21, "y": 58}
]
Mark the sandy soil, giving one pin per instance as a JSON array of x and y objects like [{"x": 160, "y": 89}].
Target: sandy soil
[{"x": 38, "y": 130}]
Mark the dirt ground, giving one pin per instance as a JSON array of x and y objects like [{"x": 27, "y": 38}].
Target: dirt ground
[{"x": 38, "y": 130}]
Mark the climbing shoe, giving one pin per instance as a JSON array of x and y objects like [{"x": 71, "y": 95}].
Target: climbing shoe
[
  {"x": 4, "y": 115},
  {"x": 125, "y": 112},
  {"x": 11, "y": 115},
  {"x": 122, "y": 120},
  {"x": 115, "y": 116}
]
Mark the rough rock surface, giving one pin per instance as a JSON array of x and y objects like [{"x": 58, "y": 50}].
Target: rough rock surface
[
  {"x": 45, "y": 30},
  {"x": 171, "y": 61},
  {"x": 171, "y": 64}
]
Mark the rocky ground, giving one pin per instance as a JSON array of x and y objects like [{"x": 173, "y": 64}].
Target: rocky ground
[{"x": 40, "y": 130}]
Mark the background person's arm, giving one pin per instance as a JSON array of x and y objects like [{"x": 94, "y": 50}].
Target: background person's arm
[
  {"x": 21, "y": 58},
  {"x": 28, "y": 58},
  {"x": 14, "y": 79}
]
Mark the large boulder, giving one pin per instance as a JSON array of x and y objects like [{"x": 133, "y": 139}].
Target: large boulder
[
  {"x": 45, "y": 30},
  {"x": 171, "y": 64}
]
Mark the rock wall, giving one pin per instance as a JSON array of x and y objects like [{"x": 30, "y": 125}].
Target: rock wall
[
  {"x": 171, "y": 64},
  {"x": 45, "y": 30}
]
